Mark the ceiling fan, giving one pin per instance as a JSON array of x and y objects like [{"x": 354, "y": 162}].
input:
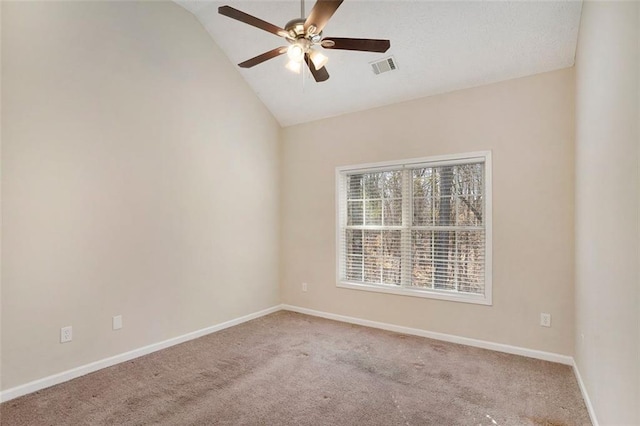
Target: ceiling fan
[{"x": 304, "y": 37}]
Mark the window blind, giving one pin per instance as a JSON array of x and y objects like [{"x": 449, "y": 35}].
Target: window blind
[{"x": 418, "y": 226}]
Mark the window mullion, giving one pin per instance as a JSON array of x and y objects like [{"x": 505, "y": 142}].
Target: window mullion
[
  {"x": 364, "y": 221},
  {"x": 382, "y": 222},
  {"x": 405, "y": 237},
  {"x": 432, "y": 234}
]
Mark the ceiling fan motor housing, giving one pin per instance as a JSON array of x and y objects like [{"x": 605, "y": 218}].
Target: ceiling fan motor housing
[{"x": 295, "y": 28}]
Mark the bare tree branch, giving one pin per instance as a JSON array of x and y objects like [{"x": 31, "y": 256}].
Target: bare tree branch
[{"x": 475, "y": 211}]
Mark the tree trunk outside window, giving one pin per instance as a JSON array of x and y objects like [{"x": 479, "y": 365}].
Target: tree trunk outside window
[{"x": 442, "y": 237}]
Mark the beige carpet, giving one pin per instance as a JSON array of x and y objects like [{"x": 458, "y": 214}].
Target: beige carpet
[{"x": 292, "y": 369}]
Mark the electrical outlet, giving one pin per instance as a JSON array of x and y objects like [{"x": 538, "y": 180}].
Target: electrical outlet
[
  {"x": 545, "y": 320},
  {"x": 304, "y": 286},
  {"x": 117, "y": 322},
  {"x": 66, "y": 334}
]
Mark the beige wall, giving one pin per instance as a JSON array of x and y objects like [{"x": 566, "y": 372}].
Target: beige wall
[
  {"x": 1, "y": 195},
  {"x": 607, "y": 140},
  {"x": 139, "y": 177},
  {"x": 528, "y": 125},
  {"x": 122, "y": 124}
]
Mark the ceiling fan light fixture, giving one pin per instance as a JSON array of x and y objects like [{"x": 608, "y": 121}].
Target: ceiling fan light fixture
[
  {"x": 294, "y": 66},
  {"x": 318, "y": 59},
  {"x": 295, "y": 52}
]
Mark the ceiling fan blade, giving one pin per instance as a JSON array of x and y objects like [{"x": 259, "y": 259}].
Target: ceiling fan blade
[
  {"x": 251, "y": 20},
  {"x": 264, "y": 57},
  {"x": 322, "y": 11},
  {"x": 360, "y": 44},
  {"x": 318, "y": 75}
]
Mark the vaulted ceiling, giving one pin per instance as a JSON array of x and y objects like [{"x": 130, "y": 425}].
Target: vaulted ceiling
[{"x": 438, "y": 46}]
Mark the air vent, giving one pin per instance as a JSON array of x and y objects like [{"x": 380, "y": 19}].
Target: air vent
[{"x": 387, "y": 64}]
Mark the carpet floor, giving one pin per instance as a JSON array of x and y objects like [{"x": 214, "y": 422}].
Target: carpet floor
[{"x": 293, "y": 369}]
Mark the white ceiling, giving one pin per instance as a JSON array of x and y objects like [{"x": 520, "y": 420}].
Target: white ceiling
[{"x": 439, "y": 46}]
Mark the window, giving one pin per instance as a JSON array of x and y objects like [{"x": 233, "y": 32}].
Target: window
[{"x": 418, "y": 227}]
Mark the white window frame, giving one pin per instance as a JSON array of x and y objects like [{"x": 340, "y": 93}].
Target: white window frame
[{"x": 442, "y": 160}]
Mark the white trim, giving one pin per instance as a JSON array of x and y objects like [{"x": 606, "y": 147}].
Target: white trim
[
  {"x": 436, "y": 160},
  {"x": 488, "y": 223},
  {"x": 117, "y": 359},
  {"x": 499, "y": 347},
  {"x": 416, "y": 292},
  {"x": 341, "y": 198},
  {"x": 585, "y": 395},
  {"x": 451, "y": 159}
]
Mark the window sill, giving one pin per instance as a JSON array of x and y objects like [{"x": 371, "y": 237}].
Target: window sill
[{"x": 429, "y": 294}]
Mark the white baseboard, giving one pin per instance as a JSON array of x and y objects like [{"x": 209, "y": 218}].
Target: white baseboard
[
  {"x": 64, "y": 376},
  {"x": 108, "y": 362},
  {"x": 585, "y": 395},
  {"x": 516, "y": 350}
]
